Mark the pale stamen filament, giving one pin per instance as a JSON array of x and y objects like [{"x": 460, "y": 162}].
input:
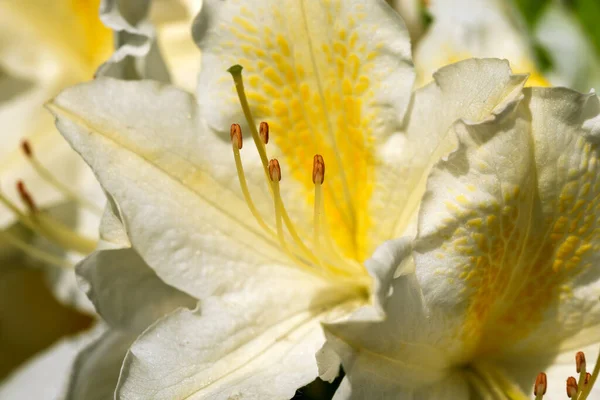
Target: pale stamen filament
[
  {"x": 275, "y": 177},
  {"x": 46, "y": 226},
  {"x": 46, "y": 175},
  {"x": 502, "y": 387},
  {"x": 33, "y": 251},
  {"x": 236, "y": 73}
]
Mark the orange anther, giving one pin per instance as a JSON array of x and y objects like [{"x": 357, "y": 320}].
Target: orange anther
[
  {"x": 571, "y": 387},
  {"x": 236, "y": 135},
  {"x": 274, "y": 170},
  {"x": 318, "y": 173},
  {"x": 264, "y": 132},
  {"x": 26, "y": 197},
  {"x": 541, "y": 384}
]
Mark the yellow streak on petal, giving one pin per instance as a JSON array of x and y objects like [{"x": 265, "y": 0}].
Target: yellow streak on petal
[
  {"x": 515, "y": 271},
  {"x": 317, "y": 105}
]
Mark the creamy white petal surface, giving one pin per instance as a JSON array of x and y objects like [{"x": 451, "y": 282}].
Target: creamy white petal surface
[{"x": 505, "y": 258}]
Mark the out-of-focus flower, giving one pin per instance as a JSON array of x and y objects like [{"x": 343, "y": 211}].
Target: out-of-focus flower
[
  {"x": 268, "y": 260},
  {"x": 463, "y": 29},
  {"x": 575, "y": 61},
  {"x": 153, "y": 40},
  {"x": 506, "y": 262}
]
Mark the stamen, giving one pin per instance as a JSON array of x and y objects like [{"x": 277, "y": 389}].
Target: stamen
[
  {"x": 500, "y": 384},
  {"x": 541, "y": 384},
  {"x": 590, "y": 380},
  {"x": 571, "y": 387},
  {"x": 46, "y": 175},
  {"x": 26, "y": 197},
  {"x": 236, "y": 73},
  {"x": 237, "y": 143},
  {"x": 580, "y": 367},
  {"x": 46, "y": 226},
  {"x": 318, "y": 176},
  {"x": 264, "y": 132},
  {"x": 33, "y": 251}
]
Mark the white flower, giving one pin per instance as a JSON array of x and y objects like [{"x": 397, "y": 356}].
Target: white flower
[
  {"x": 270, "y": 263},
  {"x": 474, "y": 28},
  {"x": 506, "y": 264},
  {"x": 575, "y": 61}
]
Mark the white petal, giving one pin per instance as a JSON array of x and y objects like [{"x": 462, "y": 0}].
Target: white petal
[
  {"x": 475, "y": 90},
  {"x": 95, "y": 371},
  {"x": 453, "y": 387},
  {"x": 241, "y": 344},
  {"x": 404, "y": 351},
  {"x": 507, "y": 230},
  {"x": 183, "y": 211}
]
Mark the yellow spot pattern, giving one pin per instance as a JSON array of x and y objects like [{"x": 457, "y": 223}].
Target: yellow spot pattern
[
  {"x": 519, "y": 262},
  {"x": 315, "y": 89}
]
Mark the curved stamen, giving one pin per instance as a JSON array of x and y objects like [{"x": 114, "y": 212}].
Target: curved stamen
[{"x": 46, "y": 175}]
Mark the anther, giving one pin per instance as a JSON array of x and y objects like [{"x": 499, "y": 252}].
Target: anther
[
  {"x": 236, "y": 135},
  {"x": 274, "y": 170},
  {"x": 264, "y": 132},
  {"x": 587, "y": 378},
  {"x": 26, "y": 197},
  {"x": 541, "y": 384},
  {"x": 571, "y": 387},
  {"x": 318, "y": 175},
  {"x": 580, "y": 361},
  {"x": 26, "y": 148}
]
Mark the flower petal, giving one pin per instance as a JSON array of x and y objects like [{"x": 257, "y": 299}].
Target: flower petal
[
  {"x": 453, "y": 387},
  {"x": 474, "y": 28},
  {"x": 137, "y": 55},
  {"x": 95, "y": 372},
  {"x": 330, "y": 77},
  {"x": 507, "y": 231},
  {"x": 232, "y": 347},
  {"x": 404, "y": 350},
  {"x": 475, "y": 90},
  {"x": 183, "y": 210}
]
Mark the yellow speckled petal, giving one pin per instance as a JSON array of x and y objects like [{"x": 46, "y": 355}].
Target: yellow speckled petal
[
  {"x": 331, "y": 77},
  {"x": 508, "y": 233},
  {"x": 474, "y": 28},
  {"x": 473, "y": 89}
]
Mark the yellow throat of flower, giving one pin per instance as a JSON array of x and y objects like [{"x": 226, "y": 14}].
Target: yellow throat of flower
[{"x": 321, "y": 254}]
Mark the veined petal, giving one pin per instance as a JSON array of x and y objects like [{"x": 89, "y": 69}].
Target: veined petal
[
  {"x": 330, "y": 77},
  {"x": 507, "y": 233},
  {"x": 243, "y": 344},
  {"x": 146, "y": 141},
  {"x": 474, "y": 28},
  {"x": 402, "y": 352},
  {"x": 475, "y": 90}
]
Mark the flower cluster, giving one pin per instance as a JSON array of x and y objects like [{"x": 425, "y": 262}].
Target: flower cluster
[{"x": 323, "y": 207}]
